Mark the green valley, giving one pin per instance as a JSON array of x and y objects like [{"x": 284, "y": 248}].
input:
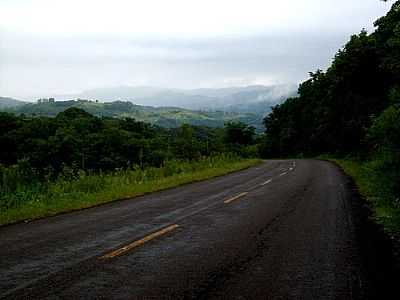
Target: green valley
[{"x": 169, "y": 117}]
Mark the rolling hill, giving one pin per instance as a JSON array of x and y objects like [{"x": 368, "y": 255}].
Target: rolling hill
[
  {"x": 256, "y": 99},
  {"x": 6, "y": 102},
  {"x": 161, "y": 116}
]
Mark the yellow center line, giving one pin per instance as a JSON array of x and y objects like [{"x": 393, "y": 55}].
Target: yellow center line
[
  {"x": 138, "y": 243},
  {"x": 265, "y": 183},
  {"x": 235, "y": 198}
]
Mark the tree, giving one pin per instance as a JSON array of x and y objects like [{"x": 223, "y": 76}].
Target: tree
[
  {"x": 186, "y": 146},
  {"x": 335, "y": 108},
  {"x": 238, "y": 133}
]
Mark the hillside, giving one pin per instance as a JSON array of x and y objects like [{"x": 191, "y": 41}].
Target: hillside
[
  {"x": 256, "y": 99},
  {"x": 162, "y": 116},
  {"x": 6, "y": 102}
]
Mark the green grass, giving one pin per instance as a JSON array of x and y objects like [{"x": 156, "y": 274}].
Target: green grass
[
  {"x": 32, "y": 202},
  {"x": 376, "y": 183}
]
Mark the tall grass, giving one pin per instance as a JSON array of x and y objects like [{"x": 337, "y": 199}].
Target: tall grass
[
  {"x": 378, "y": 180},
  {"x": 23, "y": 198}
]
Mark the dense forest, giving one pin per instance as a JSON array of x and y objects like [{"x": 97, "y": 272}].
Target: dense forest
[
  {"x": 76, "y": 140},
  {"x": 75, "y": 160},
  {"x": 351, "y": 113},
  {"x": 352, "y": 108}
]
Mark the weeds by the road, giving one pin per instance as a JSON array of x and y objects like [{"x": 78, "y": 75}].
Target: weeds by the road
[
  {"x": 377, "y": 182},
  {"x": 34, "y": 200}
]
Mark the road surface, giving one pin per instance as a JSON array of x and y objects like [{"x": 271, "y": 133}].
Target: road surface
[{"x": 282, "y": 230}]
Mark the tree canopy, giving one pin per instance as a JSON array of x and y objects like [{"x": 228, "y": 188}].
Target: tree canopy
[
  {"x": 335, "y": 108},
  {"x": 77, "y": 140}
]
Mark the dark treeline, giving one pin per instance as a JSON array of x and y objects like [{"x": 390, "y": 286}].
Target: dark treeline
[
  {"x": 335, "y": 110},
  {"x": 75, "y": 140},
  {"x": 352, "y": 109}
]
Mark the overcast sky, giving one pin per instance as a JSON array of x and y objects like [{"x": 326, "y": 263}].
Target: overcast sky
[{"x": 50, "y": 47}]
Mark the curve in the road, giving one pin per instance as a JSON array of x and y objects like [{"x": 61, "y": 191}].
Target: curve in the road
[{"x": 283, "y": 230}]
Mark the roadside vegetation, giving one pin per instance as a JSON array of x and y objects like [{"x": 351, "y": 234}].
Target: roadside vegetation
[
  {"x": 377, "y": 186},
  {"x": 24, "y": 201},
  {"x": 378, "y": 174},
  {"x": 351, "y": 112},
  {"x": 75, "y": 160}
]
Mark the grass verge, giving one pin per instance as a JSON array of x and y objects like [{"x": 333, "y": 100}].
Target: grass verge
[
  {"x": 376, "y": 186},
  {"x": 61, "y": 196}
]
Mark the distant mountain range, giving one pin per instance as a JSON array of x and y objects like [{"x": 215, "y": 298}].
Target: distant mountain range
[
  {"x": 6, "y": 102},
  {"x": 167, "y": 107},
  {"x": 162, "y": 116},
  {"x": 253, "y": 99}
]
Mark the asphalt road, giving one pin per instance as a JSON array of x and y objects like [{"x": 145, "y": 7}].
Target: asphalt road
[{"x": 283, "y": 230}]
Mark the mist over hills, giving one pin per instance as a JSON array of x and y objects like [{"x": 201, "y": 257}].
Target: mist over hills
[
  {"x": 167, "y": 107},
  {"x": 6, "y": 102},
  {"x": 254, "y": 99},
  {"x": 169, "y": 117}
]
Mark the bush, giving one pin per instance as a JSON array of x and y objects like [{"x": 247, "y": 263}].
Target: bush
[
  {"x": 384, "y": 133},
  {"x": 384, "y": 136},
  {"x": 21, "y": 199}
]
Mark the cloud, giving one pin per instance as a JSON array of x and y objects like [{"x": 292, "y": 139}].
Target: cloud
[
  {"x": 54, "y": 47},
  {"x": 180, "y": 17}
]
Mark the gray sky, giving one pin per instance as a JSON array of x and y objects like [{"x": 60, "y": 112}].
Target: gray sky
[{"x": 50, "y": 47}]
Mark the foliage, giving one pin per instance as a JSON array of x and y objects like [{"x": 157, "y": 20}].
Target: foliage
[
  {"x": 241, "y": 139},
  {"x": 385, "y": 130},
  {"x": 23, "y": 199},
  {"x": 77, "y": 140},
  {"x": 335, "y": 108},
  {"x": 239, "y": 133},
  {"x": 376, "y": 186},
  {"x": 351, "y": 110},
  {"x": 169, "y": 117},
  {"x": 51, "y": 164},
  {"x": 384, "y": 137}
]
